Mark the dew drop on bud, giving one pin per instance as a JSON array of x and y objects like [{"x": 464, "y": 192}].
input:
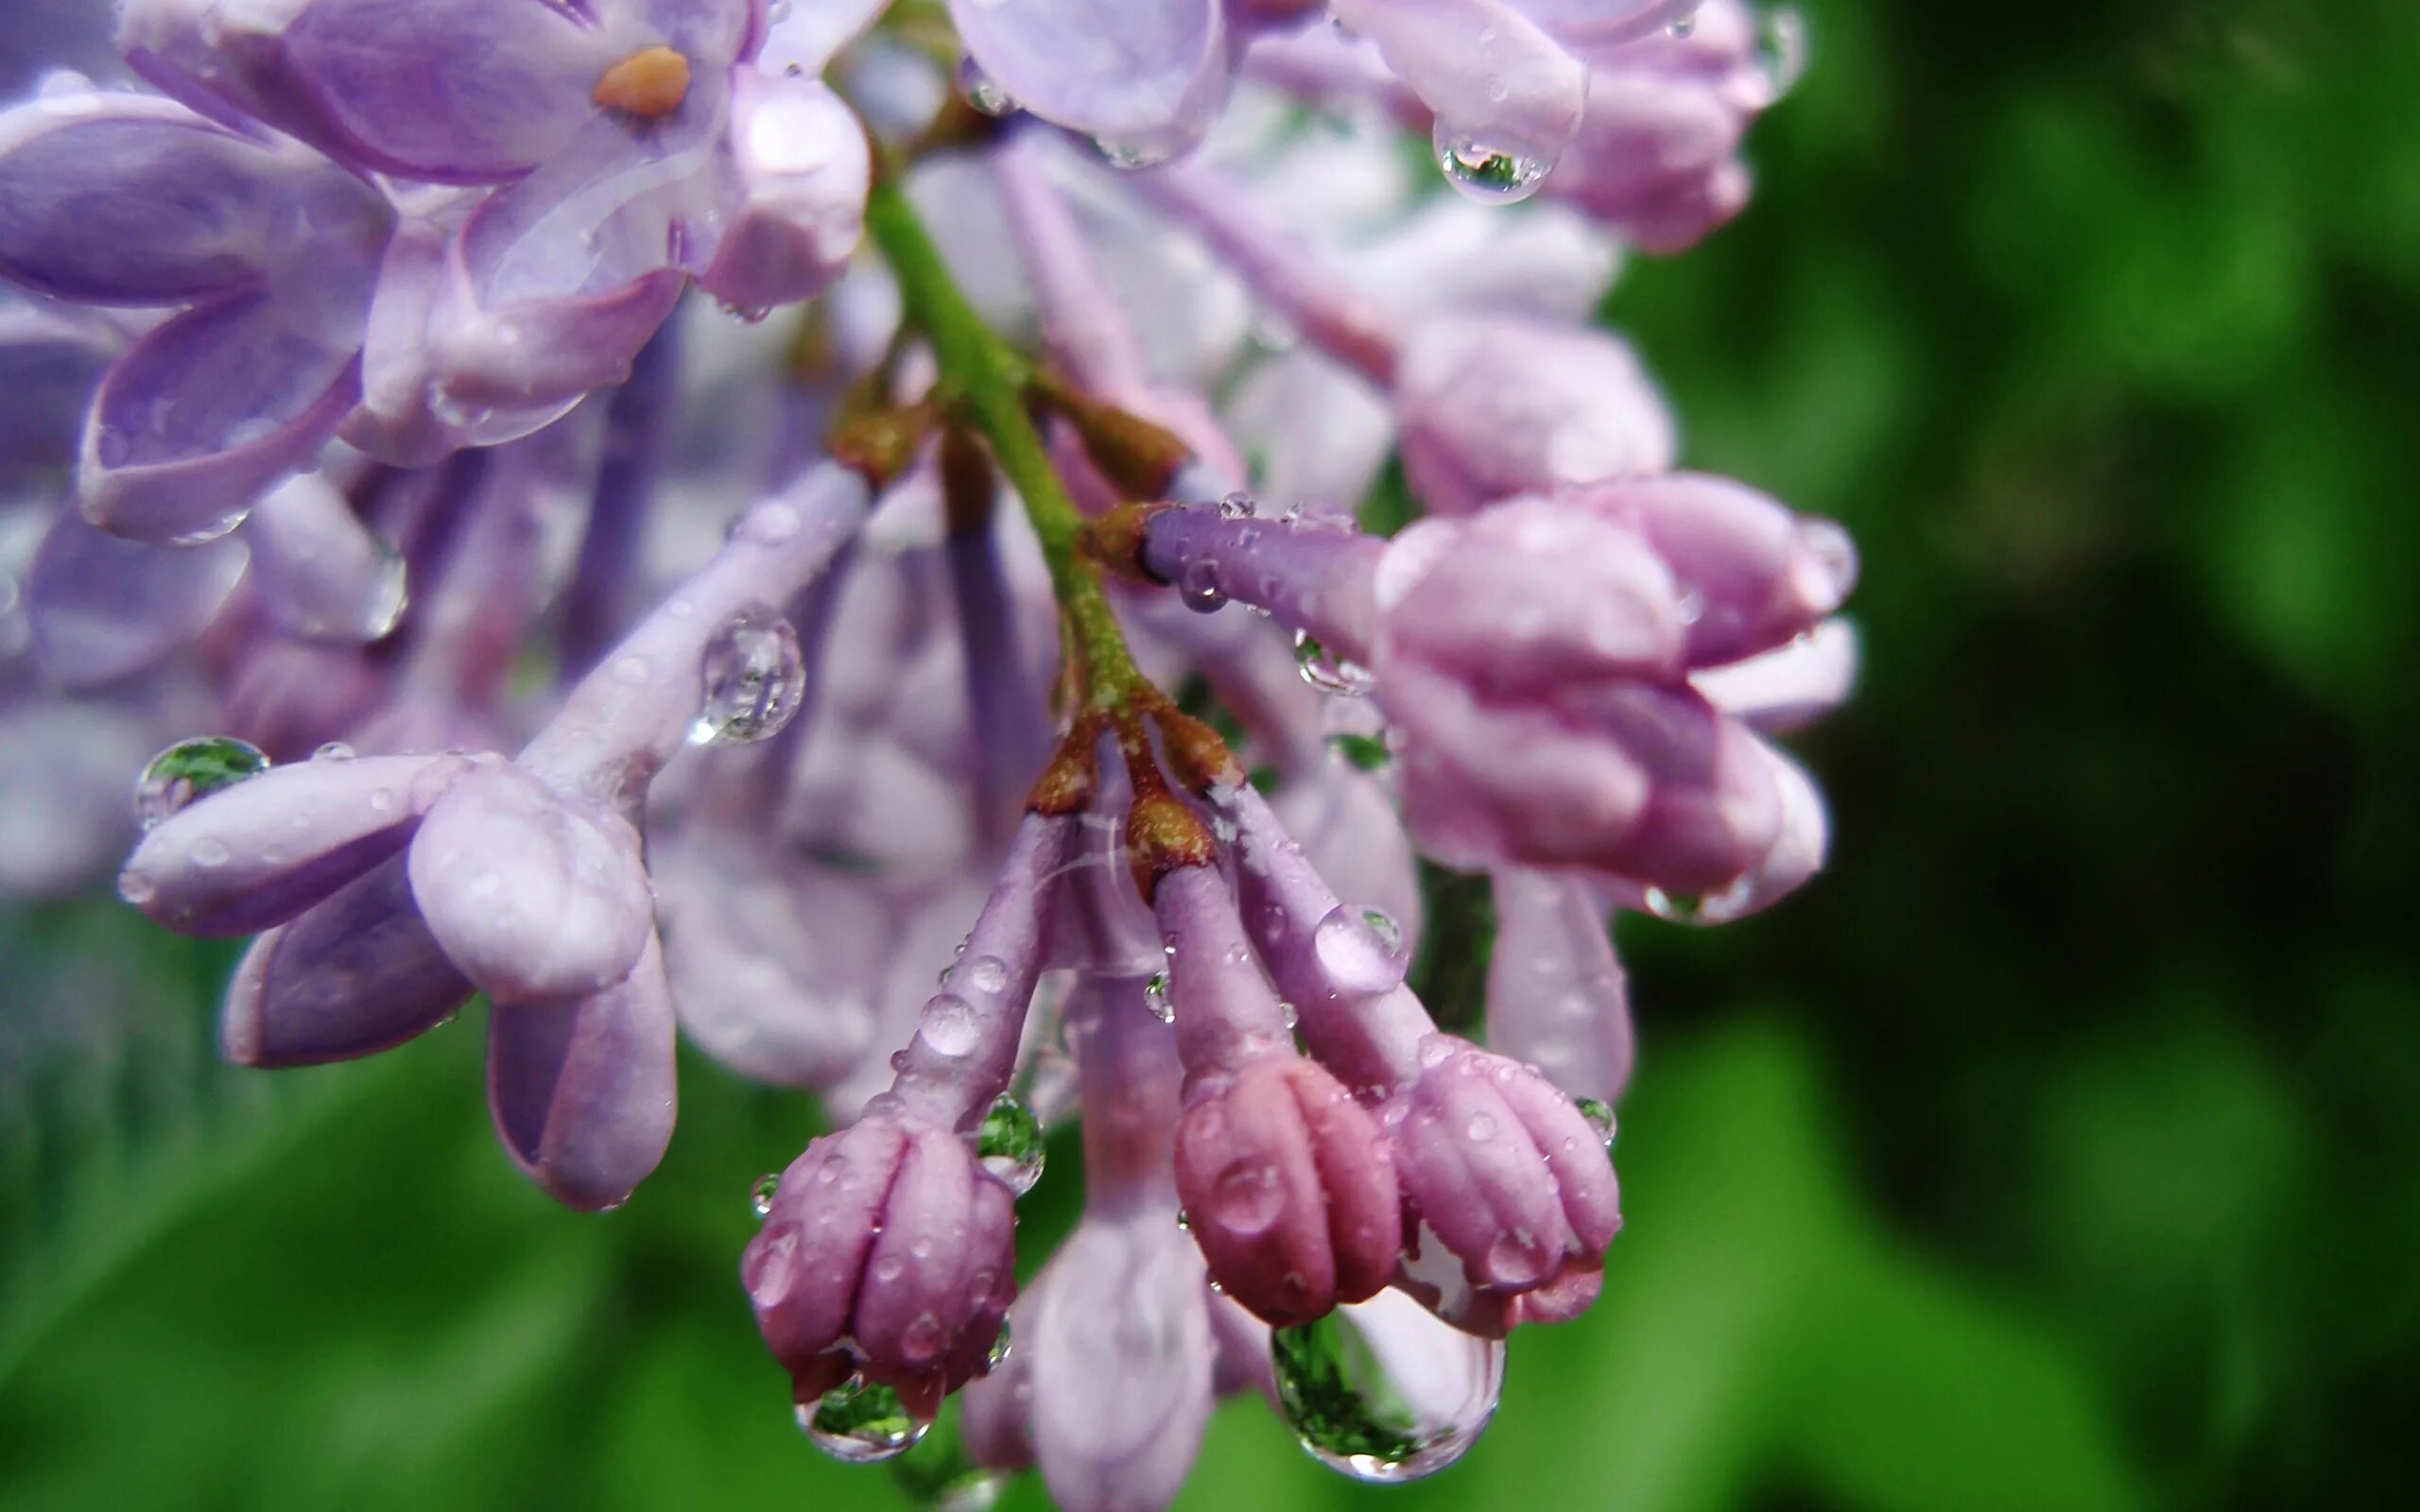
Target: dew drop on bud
[
  {"x": 1198, "y": 589},
  {"x": 1485, "y": 174},
  {"x": 1010, "y": 1144},
  {"x": 755, "y": 681},
  {"x": 760, "y": 1196},
  {"x": 1781, "y": 48},
  {"x": 1675, "y": 907},
  {"x": 334, "y": 750},
  {"x": 1328, "y": 673},
  {"x": 986, "y": 974},
  {"x": 1360, "y": 950},
  {"x": 1156, "y": 997},
  {"x": 1599, "y": 1115},
  {"x": 981, "y": 90},
  {"x": 194, "y": 769},
  {"x": 860, "y": 1423},
  {"x": 949, "y": 1026},
  {"x": 1367, "y": 752},
  {"x": 1001, "y": 1348},
  {"x": 1683, "y": 25},
  {"x": 1131, "y": 156},
  {"x": 1237, "y": 506},
  {"x": 1383, "y": 1391}
]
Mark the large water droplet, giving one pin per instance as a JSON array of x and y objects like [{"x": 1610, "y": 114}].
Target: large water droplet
[
  {"x": 1781, "y": 48},
  {"x": 986, "y": 974},
  {"x": 1382, "y": 1391},
  {"x": 1198, "y": 589},
  {"x": 1237, "y": 506},
  {"x": 755, "y": 681},
  {"x": 1359, "y": 949},
  {"x": 1367, "y": 752},
  {"x": 1328, "y": 673},
  {"x": 1675, "y": 907},
  {"x": 860, "y": 1423},
  {"x": 760, "y": 1196},
  {"x": 1157, "y": 997},
  {"x": 1245, "y": 1199},
  {"x": 1599, "y": 1115},
  {"x": 1010, "y": 1144},
  {"x": 1485, "y": 174},
  {"x": 949, "y": 1026},
  {"x": 1001, "y": 1348},
  {"x": 193, "y": 769}
]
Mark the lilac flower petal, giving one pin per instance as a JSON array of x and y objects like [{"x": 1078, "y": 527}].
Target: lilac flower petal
[
  {"x": 445, "y": 91},
  {"x": 1556, "y": 995},
  {"x": 103, "y": 606},
  {"x": 1493, "y": 78},
  {"x": 804, "y": 166},
  {"x": 1713, "y": 808},
  {"x": 1352, "y": 835},
  {"x": 356, "y": 974},
  {"x": 260, "y": 852},
  {"x": 536, "y": 897},
  {"x": 1783, "y": 690},
  {"x": 323, "y": 575},
  {"x": 1477, "y": 1177},
  {"x": 115, "y": 198},
  {"x": 1121, "y": 1395},
  {"x": 1143, "y": 77},
  {"x": 1492, "y": 406},
  {"x": 803, "y": 40},
  {"x": 940, "y": 1264},
  {"x": 582, "y": 1091},
  {"x": 209, "y": 410},
  {"x": 803, "y": 1268}
]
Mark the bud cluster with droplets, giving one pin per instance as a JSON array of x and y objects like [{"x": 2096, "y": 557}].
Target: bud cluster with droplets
[{"x": 994, "y": 633}]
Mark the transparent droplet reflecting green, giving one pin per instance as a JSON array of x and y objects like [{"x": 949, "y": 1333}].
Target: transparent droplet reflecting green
[
  {"x": 194, "y": 769},
  {"x": 1383, "y": 1391},
  {"x": 1367, "y": 752},
  {"x": 1156, "y": 998},
  {"x": 760, "y": 1196},
  {"x": 1599, "y": 1115},
  {"x": 860, "y": 1423},
  {"x": 1010, "y": 1144}
]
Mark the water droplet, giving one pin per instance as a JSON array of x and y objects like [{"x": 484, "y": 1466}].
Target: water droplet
[
  {"x": 1010, "y": 1144},
  {"x": 1684, "y": 23},
  {"x": 193, "y": 769},
  {"x": 1367, "y": 752},
  {"x": 1000, "y": 1347},
  {"x": 1675, "y": 907},
  {"x": 1237, "y": 506},
  {"x": 755, "y": 681},
  {"x": 1156, "y": 997},
  {"x": 859, "y": 1423},
  {"x": 1356, "y": 954},
  {"x": 211, "y": 852},
  {"x": 1246, "y": 1198},
  {"x": 986, "y": 974},
  {"x": 1329, "y": 674},
  {"x": 950, "y": 1026},
  {"x": 981, "y": 90},
  {"x": 1132, "y": 156},
  {"x": 1481, "y": 1128},
  {"x": 1485, "y": 174},
  {"x": 1382, "y": 1391},
  {"x": 1198, "y": 589},
  {"x": 1781, "y": 48},
  {"x": 760, "y": 1196},
  {"x": 334, "y": 750},
  {"x": 1599, "y": 1115},
  {"x": 767, "y": 524}
]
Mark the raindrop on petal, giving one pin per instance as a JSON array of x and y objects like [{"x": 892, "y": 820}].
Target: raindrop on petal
[
  {"x": 859, "y": 1423},
  {"x": 1383, "y": 1391},
  {"x": 1328, "y": 673},
  {"x": 760, "y": 1197},
  {"x": 194, "y": 769},
  {"x": 1156, "y": 997},
  {"x": 755, "y": 679},
  {"x": 1010, "y": 1144},
  {"x": 1485, "y": 174}
]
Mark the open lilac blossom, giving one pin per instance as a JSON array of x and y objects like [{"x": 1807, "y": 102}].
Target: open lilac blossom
[{"x": 970, "y": 698}]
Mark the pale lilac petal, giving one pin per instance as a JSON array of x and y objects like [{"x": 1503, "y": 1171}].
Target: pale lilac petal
[
  {"x": 210, "y": 409},
  {"x": 582, "y": 1091},
  {"x": 804, "y": 166},
  {"x": 1121, "y": 1395},
  {"x": 103, "y": 606},
  {"x": 323, "y": 575},
  {"x": 1354, "y": 836},
  {"x": 356, "y": 974},
  {"x": 534, "y": 897},
  {"x": 1556, "y": 995},
  {"x": 260, "y": 852},
  {"x": 1492, "y": 77},
  {"x": 1143, "y": 77},
  {"x": 1796, "y": 686}
]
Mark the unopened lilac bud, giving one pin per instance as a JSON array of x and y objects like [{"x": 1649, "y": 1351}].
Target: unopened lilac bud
[
  {"x": 1495, "y": 406},
  {"x": 887, "y": 1252},
  {"x": 258, "y": 853},
  {"x": 1507, "y": 1172},
  {"x": 1556, "y": 996},
  {"x": 804, "y": 167},
  {"x": 1785, "y": 688},
  {"x": 1284, "y": 1176},
  {"x": 582, "y": 1090}
]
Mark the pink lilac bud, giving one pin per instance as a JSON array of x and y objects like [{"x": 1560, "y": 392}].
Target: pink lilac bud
[
  {"x": 805, "y": 165},
  {"x": 1287, "y": 1182},
  {"x": 1509, "y": 1176}
]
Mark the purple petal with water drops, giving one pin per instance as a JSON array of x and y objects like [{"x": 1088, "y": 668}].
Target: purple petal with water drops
[
  {"x": 103, "y": 606},
  {"x": 259, "y": 853},
  {"x": 358, "y": 974},
  {"x": 583, "y": 1092},
  {"x": 115, "y": 198},
  {"x": 1120, "y": 1395},
  {"x": 535, "y": 897},
  {"x": 1785, "y": 688},
  {"x": 210, "y": 409},
  {"x": 1145, "y": 80},
  {"x": 323, "y": 575},
  {"x": 1556, "y": 995},
  {"x": 1494, "y": 80}
]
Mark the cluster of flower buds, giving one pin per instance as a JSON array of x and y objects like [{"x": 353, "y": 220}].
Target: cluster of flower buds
[{"x": 645, "y": 667}]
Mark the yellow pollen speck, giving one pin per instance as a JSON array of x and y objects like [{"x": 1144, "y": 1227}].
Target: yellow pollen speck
[{"x": 649, "y": 84}]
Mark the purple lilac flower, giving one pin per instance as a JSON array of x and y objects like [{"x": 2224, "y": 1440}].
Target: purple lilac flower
[{"x": 370, "y": 427}]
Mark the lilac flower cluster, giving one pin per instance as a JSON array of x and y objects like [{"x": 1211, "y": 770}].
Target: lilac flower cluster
[{"x": 644, "y": 666}]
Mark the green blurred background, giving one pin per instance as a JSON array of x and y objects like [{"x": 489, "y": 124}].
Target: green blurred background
[{"x": 2059, "y": 1149}]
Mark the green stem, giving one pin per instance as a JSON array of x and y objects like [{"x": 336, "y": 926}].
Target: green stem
[{"x": 983, "y": 380}]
